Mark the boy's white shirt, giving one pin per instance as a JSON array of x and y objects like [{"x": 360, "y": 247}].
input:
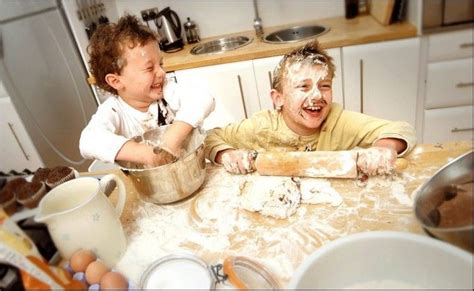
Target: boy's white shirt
[{"x": 115, "y": 122}]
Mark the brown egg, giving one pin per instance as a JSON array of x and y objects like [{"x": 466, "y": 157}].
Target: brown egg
[
  {"x": 95, "y": 271},
  {"x": 81, "y": 259},
  {"x": 113, "y": 280}
]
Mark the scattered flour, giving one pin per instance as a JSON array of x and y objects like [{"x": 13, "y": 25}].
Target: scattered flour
[{"x": 317, "y": 191}]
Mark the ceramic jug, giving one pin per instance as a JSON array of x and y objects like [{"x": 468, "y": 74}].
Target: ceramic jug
[{"x": 79, "y": 215}]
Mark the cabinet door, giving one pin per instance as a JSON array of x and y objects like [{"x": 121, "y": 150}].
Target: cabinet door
[
  {"x": 17, "y": 151},
  {"x": 233, "y": 86},
  {"x": 448, "y": 124},
  {"x": 264, "y": 75},
  {"x": 381, "y": 79}
]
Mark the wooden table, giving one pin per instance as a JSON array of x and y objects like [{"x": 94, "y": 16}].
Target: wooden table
[{"x": 210, "y": 224}]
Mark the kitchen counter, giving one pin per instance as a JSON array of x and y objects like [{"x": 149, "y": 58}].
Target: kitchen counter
[
  {"x": 211, "y": 225},
  {"x": 343, "y": 32}
]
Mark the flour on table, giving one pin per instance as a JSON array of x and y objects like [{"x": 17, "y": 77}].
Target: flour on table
[
  {"x": 318, "y": 191},
  {"x": 271, "y": 196}
]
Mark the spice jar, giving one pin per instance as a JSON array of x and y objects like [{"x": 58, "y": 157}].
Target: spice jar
[
  {"x": 186, "y": 271},
  {"x": 191, "y": 30}
]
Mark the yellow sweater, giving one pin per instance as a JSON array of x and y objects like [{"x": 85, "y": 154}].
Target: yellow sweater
[{"x": 342, "y": 130}]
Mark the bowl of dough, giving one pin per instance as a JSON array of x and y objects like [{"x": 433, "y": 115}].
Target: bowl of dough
[
  {"x": 444, "y": 203},
  {"x": 171, "y": 182},
  {"x": 385, "y": 260}
]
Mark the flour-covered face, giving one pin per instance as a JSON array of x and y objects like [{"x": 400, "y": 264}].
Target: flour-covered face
[
  {"x": 143, "y": 77},
  {"x": 306, "y": 96}
]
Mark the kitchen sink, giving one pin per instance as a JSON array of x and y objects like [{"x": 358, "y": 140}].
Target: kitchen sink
[
  {"x": 221, "y": 45},
  {"x": 295, "y": 33}
]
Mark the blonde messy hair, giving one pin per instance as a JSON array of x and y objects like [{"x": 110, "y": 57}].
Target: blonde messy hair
[{"x": 311, "y": 52}]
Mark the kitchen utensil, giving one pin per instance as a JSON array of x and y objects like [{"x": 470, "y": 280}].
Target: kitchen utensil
[
  {"x": 452, "y": 182},
  {"x": 330, "y": 164},
  {"x": 191, "y": 30},
  {"x": 171, "y": 182},
  {"x": 169, "y": 29},
  {"x": 187, "y": 271},
  {"x": 385, "y": 259},
  {"x": 382, "y": 10},
  {"x": 79, "y": 215}
]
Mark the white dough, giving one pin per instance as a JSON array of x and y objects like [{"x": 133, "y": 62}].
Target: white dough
[
  {"x": 318, "y": 191},
  {"x": 278, "y": 197}
]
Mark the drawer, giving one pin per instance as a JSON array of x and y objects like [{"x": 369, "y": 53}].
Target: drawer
[
  {"x": 450, "y": 45},
  {"x": 449, "y": 84},
  {"x": 448, "y": 124}
]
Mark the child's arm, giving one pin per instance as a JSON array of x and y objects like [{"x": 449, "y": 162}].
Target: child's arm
[
  {"x": 141, "y": 153},
  {"x": 174, "y": 137},
  {"x": 398, "y": 145}
]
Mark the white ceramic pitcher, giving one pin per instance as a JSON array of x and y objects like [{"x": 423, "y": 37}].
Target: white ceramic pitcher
[{"x": 79, "y": 215}]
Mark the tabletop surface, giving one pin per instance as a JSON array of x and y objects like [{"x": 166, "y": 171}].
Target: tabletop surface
[{"x": 211, "y": 225}]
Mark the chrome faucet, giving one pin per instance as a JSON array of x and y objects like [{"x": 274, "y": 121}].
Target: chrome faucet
[{"x": 257, "y": 22}]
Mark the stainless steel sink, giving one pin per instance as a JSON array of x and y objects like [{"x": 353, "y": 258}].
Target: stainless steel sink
[
  {"x": 295, "y": 33},
  {"x": 221, "y": 45}
]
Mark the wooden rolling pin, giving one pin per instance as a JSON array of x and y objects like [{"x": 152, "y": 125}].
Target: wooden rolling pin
[{"x": 324, "y": 164}]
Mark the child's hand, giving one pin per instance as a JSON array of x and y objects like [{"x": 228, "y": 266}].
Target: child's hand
[
  {"x": 238, "y": 161},
  {"x": 162, "y": 157},
  {"x": 376, "y": 161}
]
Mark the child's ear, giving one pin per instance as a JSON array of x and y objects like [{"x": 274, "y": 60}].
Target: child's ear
[
  {"x": 277, "y": 98},
  {"x": 114, "y": 81}
]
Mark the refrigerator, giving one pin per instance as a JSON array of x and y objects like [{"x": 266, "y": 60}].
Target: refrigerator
[{"x": 46, "y": 79}]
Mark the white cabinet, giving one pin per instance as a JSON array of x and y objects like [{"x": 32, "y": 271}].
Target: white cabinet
[
  {"x": 381, "y": 79},
  {"x": 234, "y": 89},
  {"x": 447, "y": 94},
  {"x": 264, "y": 74},
  {"x": 243, "y": 88},
  {"x": 17, "y": 151}
]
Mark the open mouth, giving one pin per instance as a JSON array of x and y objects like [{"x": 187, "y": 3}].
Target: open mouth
[
  {"x": 313, "y": 109},
  {"x": 156, "y": 86}
]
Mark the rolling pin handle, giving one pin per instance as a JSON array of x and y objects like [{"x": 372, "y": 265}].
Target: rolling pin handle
[{"x": 400, "y": 164}]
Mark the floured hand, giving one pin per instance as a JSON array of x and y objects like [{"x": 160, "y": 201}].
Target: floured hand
[
  {"x": 162, "y": 157},
  {"x": 376, "y": 161},
  {"x": 238, "y": 161}
]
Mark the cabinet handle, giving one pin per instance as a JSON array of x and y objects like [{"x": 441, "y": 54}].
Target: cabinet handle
[
  {"x": 462, "y": 85},
  {"x": 1, "y": 43},
  {"x": 270, "y": 79},
  {"x": 242, "y": 95},
  {"x": 462, "y": 129},
  {"x": 466, "y": 45},
  {"x": 361, "y": 72},
  {"x": 18, "y": 141}
]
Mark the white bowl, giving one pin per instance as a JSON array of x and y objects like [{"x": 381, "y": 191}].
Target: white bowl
[{"x": 386, "y": 259}]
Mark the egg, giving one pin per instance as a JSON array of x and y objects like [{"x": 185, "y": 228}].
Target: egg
[
  {"x": 113, "y": 280},
  {"x": 95, "y": 271},
  {"x": 81, "y": 259}
]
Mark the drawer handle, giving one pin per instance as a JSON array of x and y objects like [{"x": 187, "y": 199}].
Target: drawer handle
[
  {"x": 242, "y": 95},
  {"x": 462, "y": 129},
  {"x": 466, "y": 45},
  {"x": 463, "y": 85},
  {"x": 18, "y": 141}
]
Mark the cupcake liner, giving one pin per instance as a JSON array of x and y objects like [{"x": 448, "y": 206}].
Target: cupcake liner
[
  {"x": 51, "y": 184},
  {"x": 28, "y": 199},
  {"x": 10, "y": 206},
  {"x": 41, "y": 174}
]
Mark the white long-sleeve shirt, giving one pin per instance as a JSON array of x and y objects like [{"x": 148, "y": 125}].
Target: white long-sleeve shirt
[{"x": 115, "y": 122}]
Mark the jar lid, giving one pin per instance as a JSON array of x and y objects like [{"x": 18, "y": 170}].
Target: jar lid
[
  {"x": 186, "y": 271},
  {"x": 244, "y": 273}
]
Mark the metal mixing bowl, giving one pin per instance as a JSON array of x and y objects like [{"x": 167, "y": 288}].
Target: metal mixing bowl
[
  {"x": 172, "y": 182},
  {"x": 450, "y": 182}
]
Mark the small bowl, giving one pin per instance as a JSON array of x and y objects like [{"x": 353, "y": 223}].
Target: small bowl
[
  {"x": 444, "y": 204},
  {"x": 385, "y": 259}
]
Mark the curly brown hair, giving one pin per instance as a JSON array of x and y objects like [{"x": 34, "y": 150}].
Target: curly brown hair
[
  {"x": 107, "y": 46},
  {"x": 311, "y": 51}
]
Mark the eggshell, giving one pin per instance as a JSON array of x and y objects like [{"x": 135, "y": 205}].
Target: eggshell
[
  {"x": 113, "y": 280},
  {"x": 95, "y": 271},
  {"x": 81, "y": 259}
]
